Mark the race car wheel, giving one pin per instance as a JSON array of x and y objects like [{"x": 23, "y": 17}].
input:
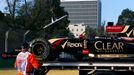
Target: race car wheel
[{"x": 41, "y": 48}]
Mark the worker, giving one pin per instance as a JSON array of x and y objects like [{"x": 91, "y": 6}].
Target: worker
[{"x": 25, "y": 61}]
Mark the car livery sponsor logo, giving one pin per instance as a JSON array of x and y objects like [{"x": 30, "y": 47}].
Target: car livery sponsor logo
[
  {"x": 109, "y": 45},
  {"x": 131, "y": 32},
  {"x": 115, "y": 29},
  {"x": 71, "y": 44},
  {"x": 123, "y": 31},
  {"x": 63, "y": 46}
]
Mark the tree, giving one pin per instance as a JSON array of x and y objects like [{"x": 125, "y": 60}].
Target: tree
[
  {"x": 12, "y": 10},
  {"x": 57, "y": 11},
  {"x": 1, "y": 19},
  {"x": 126, "y": 17},
  {"x": 90, "y": 32},
  {"x": 1, "y": 16},
  {"x": 35, "y": 14}
]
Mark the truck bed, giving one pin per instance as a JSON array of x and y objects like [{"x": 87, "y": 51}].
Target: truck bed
[{"x": 107, "y": 66}]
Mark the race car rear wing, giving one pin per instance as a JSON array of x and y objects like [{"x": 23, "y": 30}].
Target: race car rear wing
[{"x": 121, "y": 31}]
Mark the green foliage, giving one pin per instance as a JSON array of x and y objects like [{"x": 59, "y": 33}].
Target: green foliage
[
  {"x": 126, "y": 17},
  {"x": 4, "y": 21},
  {"x": 90, "y": 32},
  {"x": 1, "y": 16},
  {"x": 1, "y": 19},
  {"x": 33, "y": 15},
  {"x": 57, "y": 11}
]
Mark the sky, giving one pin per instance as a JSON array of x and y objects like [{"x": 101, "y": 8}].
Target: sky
[
  {"x": 2, "y": 5},
  {"x": 111, "y": 9}
]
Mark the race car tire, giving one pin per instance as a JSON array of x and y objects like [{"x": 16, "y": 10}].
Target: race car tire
[{"x": 40, "y": 48}]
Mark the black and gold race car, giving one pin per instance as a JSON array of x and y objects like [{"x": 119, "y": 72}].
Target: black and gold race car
[
  {"x": 83, "y": 49},
  {"x": 65, "y": 49}
]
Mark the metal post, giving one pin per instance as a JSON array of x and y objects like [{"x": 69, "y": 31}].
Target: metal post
[
  {"x": 54, "y": 21},
  {"x": 6, "y": 40},
  {"x": 24, "y": 36}
]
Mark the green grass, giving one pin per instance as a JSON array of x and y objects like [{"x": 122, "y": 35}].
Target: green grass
[{"x": 8, "y": 72}]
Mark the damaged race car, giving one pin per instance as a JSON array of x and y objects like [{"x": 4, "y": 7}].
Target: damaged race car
[
  {"x": 65, "y": 49},
  {"x": 81, "y": 49}
]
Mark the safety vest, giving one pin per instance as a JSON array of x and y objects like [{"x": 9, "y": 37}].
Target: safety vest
[{"x": 25, "y": 62}]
